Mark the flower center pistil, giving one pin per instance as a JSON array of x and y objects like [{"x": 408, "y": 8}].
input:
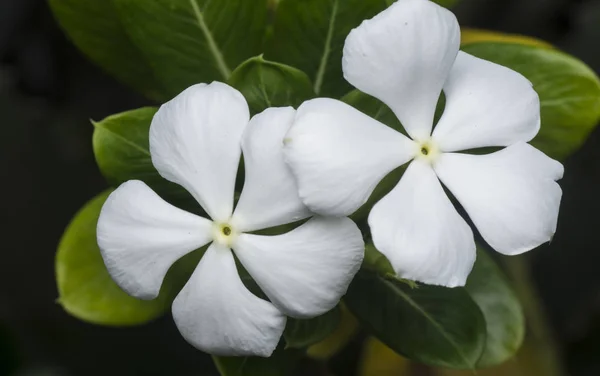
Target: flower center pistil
[
  {"x": 427, "y": 151},
  {"x": 224, "y": 234}
]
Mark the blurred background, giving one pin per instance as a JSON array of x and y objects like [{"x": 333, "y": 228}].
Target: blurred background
[{"x": 48, "y": 93}]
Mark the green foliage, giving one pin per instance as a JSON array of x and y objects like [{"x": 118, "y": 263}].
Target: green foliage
[
  {"x": 269, "y": 84},
  {"x": 95, "y": 29},
  {"x": 569, "y": 92},
  {"x": 191, "y": 41},
  {"x": 303, "y": 333},
  {"x": 310, "y": 35},
  {"x": 85, "y": 288},
  {"x": 122, "y": 151},
  {"x": 280, "y": 363},
  {"x": 161, "y": 47},
  {"x": 430, "y": 324},
  {"x": 501, "y": 308},
  {"x": 486, "y": 286}
]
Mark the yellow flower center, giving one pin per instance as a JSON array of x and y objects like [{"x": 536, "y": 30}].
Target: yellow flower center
[
  {"x": 224, "y": 234},
  {"x": 427, "y": 151}
]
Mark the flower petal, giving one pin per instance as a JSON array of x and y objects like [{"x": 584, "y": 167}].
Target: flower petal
[
  {"x": 511, "y": 195},
  {"x": 140, "y": 236},
  {"x": 217, "y": 314},
  {"x": 402, "y": 56},
  {"x": 420, "y": 232},
  {"x": 270, "y": 195},
  {"x": 338, "y": 155},
  {"x": 306, "y": 271},
  {"x": 195, "y": 142},
  {"x": 486, "y": 105}
]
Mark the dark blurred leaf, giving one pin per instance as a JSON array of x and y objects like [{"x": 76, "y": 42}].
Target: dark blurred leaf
[
  {"x": 122, "y": 151},
  {"x": 503, "y": 314},
  {"x": 303, "y": 333},
  {"x": 310, "y": 35},
  {"x": 434, "y": 325},
  {"x": 95, "y": 28},
  {"x": 569, "y": 92},
  {"x": 281, "y": 363},
  {"x": 269, "y": 84},
  {"x": 192, "y": 41}
]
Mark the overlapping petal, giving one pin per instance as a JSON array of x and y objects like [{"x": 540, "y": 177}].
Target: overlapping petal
[
  {"x": 217, "y": 314},
  {"x": 511, "y": 195},
  {"x": 195, "y": 142},
  {"x": 486, "y": 105},
  {"x": 270, "y": 195},
  {"x": 416, "y": 227},
  {"x": 402, "y": 56},
  {"x": 338, "y": 155},
  {"x": 306, "y": 271},
  {"x": 140, "y": 236}
]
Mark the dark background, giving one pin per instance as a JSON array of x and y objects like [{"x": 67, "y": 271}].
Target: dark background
[{"x": 48, "y": 93}]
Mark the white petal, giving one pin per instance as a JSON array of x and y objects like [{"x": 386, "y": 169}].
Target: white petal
[
  {"x": 306, "y": 271},
  {"x": 140, "y": 236},
  {"x": 420, "y": 232},
  {"x": 338, "y": 155},
  {"x": 195, "y": 142},
  {"x": 402, "y": 56},
  {"x": 510, "y": 195},
  {"x": 486, "y": 105},
  {"x": 217, "y": 314},
  {"x": 270, "y": 195}
]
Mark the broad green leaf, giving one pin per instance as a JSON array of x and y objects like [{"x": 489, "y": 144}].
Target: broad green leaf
[
  {"x": 87, "y": 291},
  {"x": 192, "y": 41},
  {"x": 470, "y": 36},
  {"x": 310, "y": 35},
  {"x": 85, "y": 288},
  {"x": 270, "y": 84},
  {"x": 95, "y": 28},
  {"x": 281, "y": 363},
  {"x": 301, "y": 333},
  {"x": 122, "y": 151},
  {"x": 569, "y": 92},
  {"x": 503, "y": 314},
  {"x": 433, "y": 325}
]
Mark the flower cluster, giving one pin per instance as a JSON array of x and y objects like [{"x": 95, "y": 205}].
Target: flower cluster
[{"x": 323, "y": 161}]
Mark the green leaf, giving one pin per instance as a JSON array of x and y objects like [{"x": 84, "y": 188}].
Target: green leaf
[
  {"x": 85, "y": 288},
  {"x": 122, "y": 151},
  {"x": 161, "y": 47},
  {"x": 191, "y": 41},
  {"x": 95, "y": 28},
  {"x": 303, "y": 333},
  {"x": 310, "y": 35},
  {"x": 269, "y": 84},
  {"x": 503, "y": 314},
  {"x": 280, "y": 363},
  {"x": 569, "y": 92},
  {"x": 434, "y": 325}
]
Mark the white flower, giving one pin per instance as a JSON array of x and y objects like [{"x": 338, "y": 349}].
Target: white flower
[
  {"x": 405, "y": 56},
  {"x": 195, "y": 141}
]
